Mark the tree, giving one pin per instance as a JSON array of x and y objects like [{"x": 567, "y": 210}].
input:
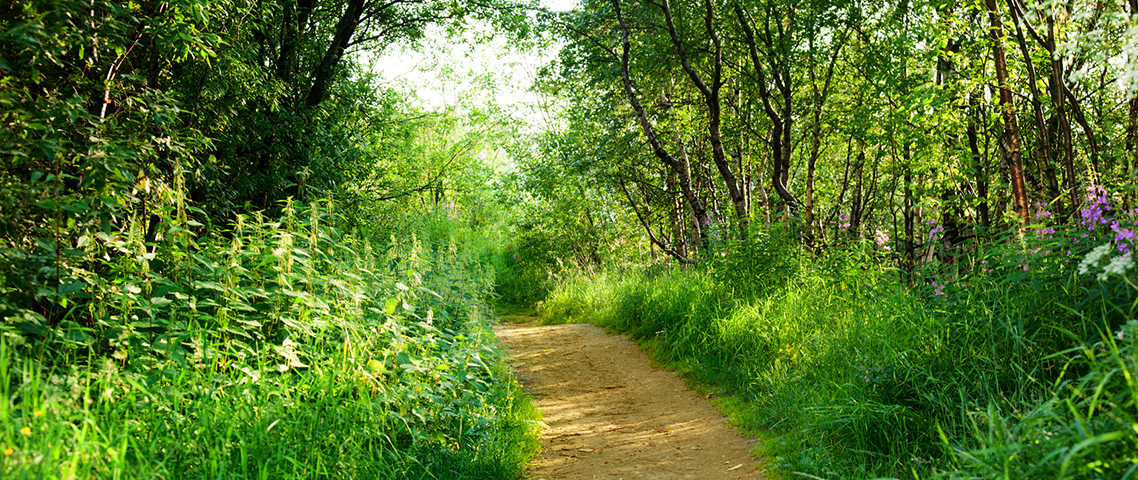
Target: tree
[{"x": 680, "y": 166}]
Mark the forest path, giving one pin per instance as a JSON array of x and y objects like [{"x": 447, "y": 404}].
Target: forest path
[{"x": 612, "y": 415}]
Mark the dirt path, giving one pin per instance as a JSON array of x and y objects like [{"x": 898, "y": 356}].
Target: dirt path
[{"x": 611, "y": 415}]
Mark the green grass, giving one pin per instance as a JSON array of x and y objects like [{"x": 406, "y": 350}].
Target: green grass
[
  {"x": 281, "y": 350},
  {"x": 850, "y": 370}
]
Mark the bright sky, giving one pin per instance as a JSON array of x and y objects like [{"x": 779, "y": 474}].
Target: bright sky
[{"x": 441, "y": 73}]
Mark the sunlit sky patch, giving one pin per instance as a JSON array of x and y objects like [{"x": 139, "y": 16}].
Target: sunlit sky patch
[{"x": 441, "y": 73}]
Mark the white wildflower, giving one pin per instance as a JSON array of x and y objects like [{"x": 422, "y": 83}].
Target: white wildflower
[
  {"x": 1094, "y": 259},
  {"x": 1117, "y": 266}
]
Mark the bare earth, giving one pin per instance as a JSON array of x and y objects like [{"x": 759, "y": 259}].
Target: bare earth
[{"x": 611, "y": 415}]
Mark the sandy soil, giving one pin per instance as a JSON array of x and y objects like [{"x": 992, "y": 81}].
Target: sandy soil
[{"x": 611, "y": 415}]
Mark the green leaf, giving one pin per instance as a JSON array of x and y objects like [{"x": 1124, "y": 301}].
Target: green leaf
[
  {"x": 31, "y": 328},
  {"x": 208, "y": 285}
]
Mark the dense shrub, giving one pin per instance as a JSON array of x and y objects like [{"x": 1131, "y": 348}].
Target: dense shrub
[{"x": 280, "y": 350}]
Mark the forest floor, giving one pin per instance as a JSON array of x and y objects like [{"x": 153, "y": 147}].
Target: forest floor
[{"x": 612, "y": 415}]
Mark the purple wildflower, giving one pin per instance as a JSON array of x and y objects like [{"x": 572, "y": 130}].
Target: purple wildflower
[
  {"x": 1096, "y": 208},
  {"x": 935, "y": 230},
  {"x": 881, "y": 238},
  {"x": 1123, "y": 237}
]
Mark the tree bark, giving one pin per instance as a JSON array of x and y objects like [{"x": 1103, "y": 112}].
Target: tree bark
[
  {"x": 345, "y": 29},
  {"x": 648, "y": 228},
  {"x": 1056, "y": 92},
  {"x": 1132, "y": 135},
  {"x": 978, "y": 169},
  {"x": 909, "y": 214},
  {"x": 296, "y": 14},
  {"x": 1132, "y": 141},
  {"x": 1037, "y": 107},
  {"x": 819, "y": 97},
  {"x": 711, "y": 98},
  {"x": 1007, "y": 104},
  {"x": 1081, "y": 119},
  {"x": 682, "y": 168},
  {"x": 781, "y": 122}
]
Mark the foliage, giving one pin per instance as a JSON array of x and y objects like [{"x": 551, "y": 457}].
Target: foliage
[
  {"x": 871, "y": 294},
  {"x": 177, "y": 298},
  {"x": 1008, "y": 363},
  {"x": 282, "y": 349}
]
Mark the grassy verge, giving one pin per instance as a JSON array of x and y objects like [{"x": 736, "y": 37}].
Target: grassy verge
[
  {"x": 282, "y": 349},
  {"x": 1004, "y": 366}
]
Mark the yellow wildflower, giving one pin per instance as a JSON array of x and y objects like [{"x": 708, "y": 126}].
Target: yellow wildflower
[
  {"x": 39, "y": 413},
  {"x": 26, "y": 430},
  {"x": 9, "y": 451}
]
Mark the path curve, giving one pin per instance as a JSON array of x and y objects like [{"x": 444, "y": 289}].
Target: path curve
[{"x": 611, "y": 415}]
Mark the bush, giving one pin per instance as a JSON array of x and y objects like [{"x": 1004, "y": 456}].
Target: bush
[{"x": 281, "y": 350}]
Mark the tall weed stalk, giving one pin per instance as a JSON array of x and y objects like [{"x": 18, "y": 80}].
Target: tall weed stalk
[{"x": 277, "y": 349}]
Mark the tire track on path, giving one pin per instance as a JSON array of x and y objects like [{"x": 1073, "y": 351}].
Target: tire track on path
[{"x": 611, "y": 415}]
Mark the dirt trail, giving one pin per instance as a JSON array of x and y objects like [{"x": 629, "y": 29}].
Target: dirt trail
[{"x": 611, "y": 415}]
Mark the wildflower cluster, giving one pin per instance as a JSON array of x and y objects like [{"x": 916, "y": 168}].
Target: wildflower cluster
[
  {"x": 787, "y": 349},
  {"x": 934, "y": 229},
  {"x": 1101, "y": 257},
  {"x": 882, "y": 239},
  {"x": 1096, "y": 208},
  {"x": 1043, "y": 217},
  {"x": 1115, "y": 257},
  {"x": 1097, "y": 212}
]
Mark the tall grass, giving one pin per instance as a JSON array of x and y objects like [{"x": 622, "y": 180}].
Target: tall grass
[
  {"x": 1005, "y": 364},
  {"x": 280, "y": 349}
]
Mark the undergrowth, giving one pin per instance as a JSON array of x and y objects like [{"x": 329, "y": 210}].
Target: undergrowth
[
  {"x": 278, "y": 349},
  {"x": 1003, "y": 364}
]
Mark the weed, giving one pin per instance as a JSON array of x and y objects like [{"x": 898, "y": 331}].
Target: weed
[
  {"x": 281, "y": 350},
  {"x": 1004, "y": 365}
]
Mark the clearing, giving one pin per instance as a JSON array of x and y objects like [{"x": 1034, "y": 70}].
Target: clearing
[{"x": 612, "y": 415}]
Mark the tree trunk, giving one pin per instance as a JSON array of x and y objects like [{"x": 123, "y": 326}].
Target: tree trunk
[
  {"x": 711, "y": 98},
  {"x": 1007, "y": 104},
  {"x": 345, "y": 28},
  {"x": 819, "y": 97},
  {"x": 1132, "y": 140},
  {"x": 1037, "y": 107},
  {"x": 296, "y": 14},
  {"x": 909, "y": 213},
  {"x": 782, "y": 122},
  {"x": 857, "y": 206},
  {"x": 645, "y": 221},
  {"x": 681, "y": 167},
  {"x": 676, "y": 213},
  {"x": 1092, "y": 142},
  {"x": 978, "y": 169}
]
